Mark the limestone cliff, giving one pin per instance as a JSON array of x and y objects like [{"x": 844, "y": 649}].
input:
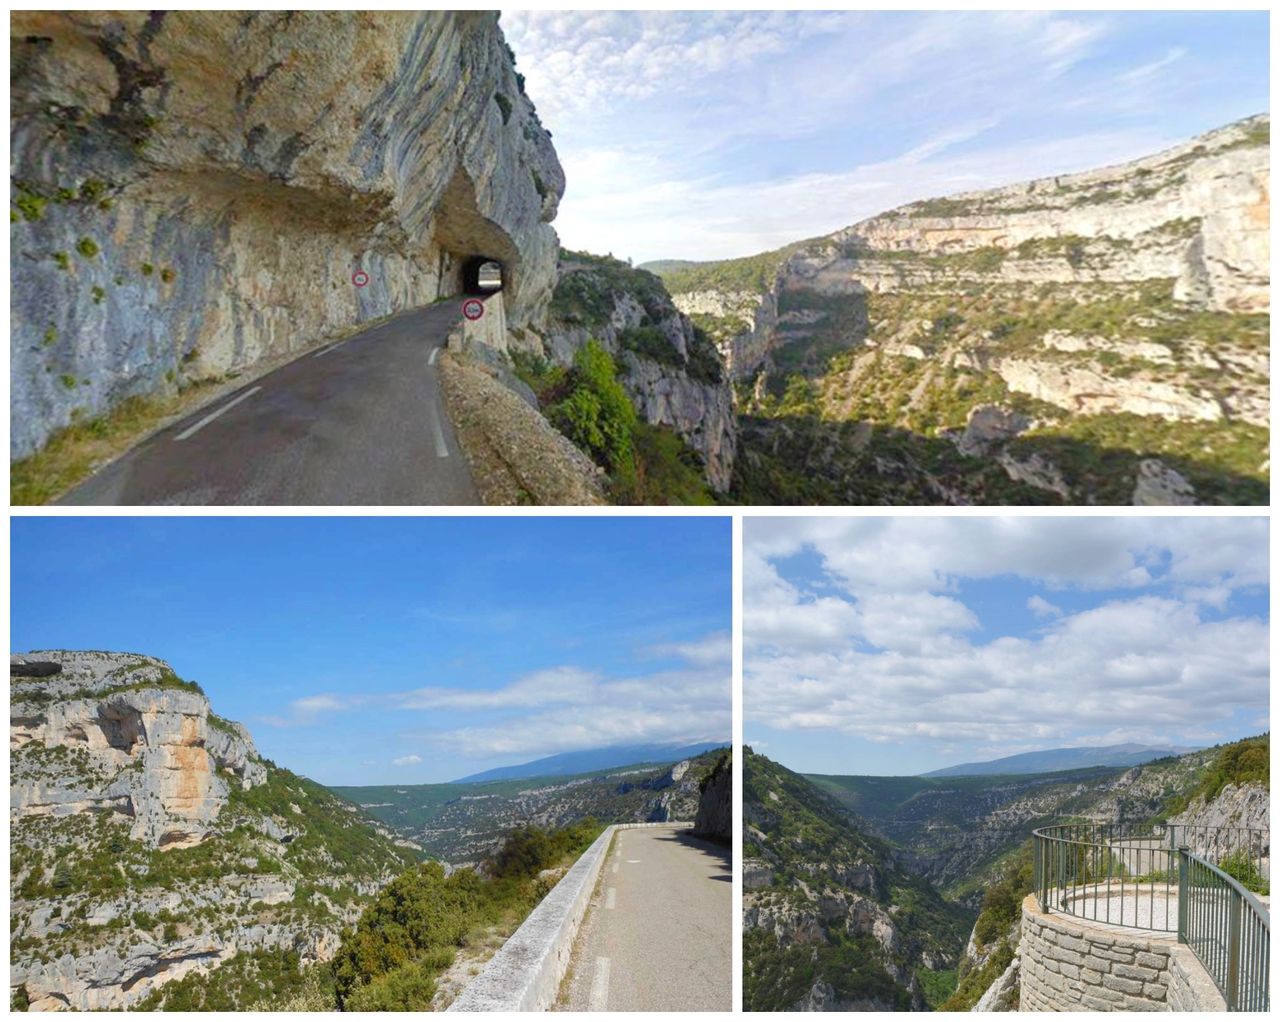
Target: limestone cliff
[
  {"x": 192, "y": 191},
  {"x": 671, "y": 371},
  {"x": 715, "y": 806},
  {"x": 150, "y": 842},
  {"x": 120, "y": 734},
  {"x": 1116, "y": 321}
]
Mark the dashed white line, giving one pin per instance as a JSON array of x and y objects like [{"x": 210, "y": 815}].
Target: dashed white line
[
  {"x": 332, "y": 347},
  {"x": 213, "y": 415},
  {"x": 599, "y": 999},
  {"x": 431, "y": 359},
  {"x": 615, "y": 867},
  {"x": 442, "y": 448},
  {"x": 609, "y": 895}
]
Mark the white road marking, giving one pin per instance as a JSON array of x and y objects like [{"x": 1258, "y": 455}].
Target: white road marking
[
  {"x": 435, "y": 353},
  {"x": 213, "y": 415},
  {"x": 599, "y": 1000},
  {"x": 332, "y": 347},
  {"x": 442, "y": 448},
  {"x": 609, "y": 895},
  {"x": 632, "y": 862},
  {"x": 615, "y": 867}
]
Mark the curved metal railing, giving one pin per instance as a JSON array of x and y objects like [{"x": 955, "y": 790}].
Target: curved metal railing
[
  {"x": 1170, "y": 878},
  {"x": 1228, "y": 930}
]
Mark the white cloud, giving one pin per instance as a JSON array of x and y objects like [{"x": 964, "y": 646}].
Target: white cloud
[
  {"x": 716, "y": 648},
  {"x": 566, "y": 708},
  {"x": 309, "y": 709},
  {"x": 878, "y": 646},
  {"x": 717, "y": 134},
  {"x": 1041, "y": 607},
  {"x": 413, "y": 759}
]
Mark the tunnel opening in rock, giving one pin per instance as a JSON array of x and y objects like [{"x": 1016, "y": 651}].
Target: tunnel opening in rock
[
  {"x": 481, "y": 275},
  {"x": 476, "y": 246}
]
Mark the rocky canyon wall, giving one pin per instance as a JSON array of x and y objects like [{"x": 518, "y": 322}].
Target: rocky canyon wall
[{"x": 191, "y": 192}]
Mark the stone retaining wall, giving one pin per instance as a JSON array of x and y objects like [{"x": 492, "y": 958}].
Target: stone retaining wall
[{"x": 1069, "y": 964}]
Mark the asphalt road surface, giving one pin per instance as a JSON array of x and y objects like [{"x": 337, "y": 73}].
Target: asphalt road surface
[
  {"x": 658, "y": 932},
  {"x": 358, "y": 422}
]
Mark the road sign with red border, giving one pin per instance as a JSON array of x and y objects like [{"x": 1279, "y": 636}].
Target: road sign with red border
[
  {"x": 359, "y": 278},
  {"x": 473, "y": 308}
]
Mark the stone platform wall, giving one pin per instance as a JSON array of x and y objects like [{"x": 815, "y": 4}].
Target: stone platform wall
[{"x": 1069, "y": 964}]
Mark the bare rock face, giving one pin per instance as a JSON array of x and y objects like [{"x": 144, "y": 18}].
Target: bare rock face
[
  {"x": 672, "y": 372},
  {"x": 715, "y": 808},
  {"x": 192, "y": 191},
  {"x": 1237, "y": 805},
  {"x": 1159, "y": 484},
  {"x": 119, "y": 770},
  {"x": 156, "y": 755}
]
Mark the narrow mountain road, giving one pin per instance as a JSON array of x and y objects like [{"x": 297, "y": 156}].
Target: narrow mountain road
[
  {"x": 659, "y": 931},
  {"x": 358, "y": 422}
]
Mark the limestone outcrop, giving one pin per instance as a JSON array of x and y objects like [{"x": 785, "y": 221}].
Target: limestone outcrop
[
  {"x": 673, "y": 374},
  {"x": 133, "y": 742},
  {"x": 150, "y": 841},
  {"x": 192, "y": 191},
  {"x": 715, "y": 806}
]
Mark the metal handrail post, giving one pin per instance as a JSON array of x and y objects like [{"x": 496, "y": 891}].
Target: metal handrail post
[
  {"x": 1234, "y": 920},
  {"x": 1184, "y": 893}
]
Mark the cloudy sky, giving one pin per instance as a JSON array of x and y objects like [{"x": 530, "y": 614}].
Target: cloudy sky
[
  {"x": 384, "y": 650},
  {"x": 712, "y": 134},
  {"x": 902, "y": 645}
]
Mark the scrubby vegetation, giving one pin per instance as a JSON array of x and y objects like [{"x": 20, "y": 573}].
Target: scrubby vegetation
[
  {"x": 415, "y": 926},
  {"x": 647, "y": 464},
  {"x": 911, "y": 400},
  {"x": 812, "y": 844},
  {"x": 1247, "y": 761},
  {"x": 754, "y": 274}
]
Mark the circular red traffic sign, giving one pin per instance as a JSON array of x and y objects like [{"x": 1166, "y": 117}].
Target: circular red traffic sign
[
  {"x": 359, "y": 278},
  {"x": 473, "y": 308}
]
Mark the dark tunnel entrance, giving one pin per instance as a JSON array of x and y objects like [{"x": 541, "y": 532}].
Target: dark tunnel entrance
[{"x": 482, "y": 276}]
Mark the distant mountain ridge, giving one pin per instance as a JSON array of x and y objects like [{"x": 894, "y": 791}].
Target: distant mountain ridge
[
  {"x": 606, "y": 758},
  {"x": 1046, "y": 761}
]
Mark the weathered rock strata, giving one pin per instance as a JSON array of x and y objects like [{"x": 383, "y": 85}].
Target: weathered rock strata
[
  {"x": 192, "y": 191},
  {"x": 149, "y": 840},
  {"x": 155, "y": 755}
]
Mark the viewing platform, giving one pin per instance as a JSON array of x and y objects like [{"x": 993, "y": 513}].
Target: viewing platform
[{"x": 1153, "y": 919}]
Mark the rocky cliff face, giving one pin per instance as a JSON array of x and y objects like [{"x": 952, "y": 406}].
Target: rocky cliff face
[
  {"x": 150, "y": 841},
  {"x": 192, "y": 191},
  {"x": 1116, "y": 320},
  {"x": 116, "y": 733},
  {"x": 671, "y": 371},
  {"x": 715, "y": 804}
]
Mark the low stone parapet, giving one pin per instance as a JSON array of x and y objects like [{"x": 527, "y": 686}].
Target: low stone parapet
[
  {"x": 526, "y": 972},
  {"x": 1071, "y": 964}
]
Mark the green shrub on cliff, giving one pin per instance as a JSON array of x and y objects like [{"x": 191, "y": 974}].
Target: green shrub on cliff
[
  {"x": 597, "y": 415},
  {"x": 1244, "y": 762},
  {"x": 415, "y": 926}
]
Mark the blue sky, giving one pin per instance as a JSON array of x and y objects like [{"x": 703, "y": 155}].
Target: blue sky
[
  {"x": 385, "y": 650},
  {"x": 902, "y": 645},
  {"x": 712, "y": 134}
]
